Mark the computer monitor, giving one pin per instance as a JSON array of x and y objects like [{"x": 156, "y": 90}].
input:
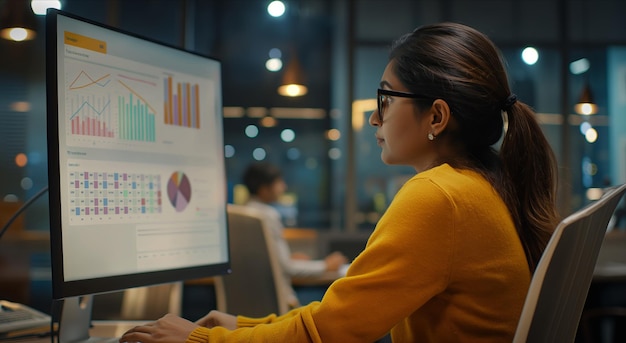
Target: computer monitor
[{"x": 137, "y": 180}]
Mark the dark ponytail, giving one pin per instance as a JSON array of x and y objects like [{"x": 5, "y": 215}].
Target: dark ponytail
[{"x": 530, "y": 166}]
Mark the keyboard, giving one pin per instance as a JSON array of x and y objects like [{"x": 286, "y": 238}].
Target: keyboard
[{"x": 14, "y": 316}]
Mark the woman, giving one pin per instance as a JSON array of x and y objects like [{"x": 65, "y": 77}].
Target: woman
[{"x": 452, "y": 257}]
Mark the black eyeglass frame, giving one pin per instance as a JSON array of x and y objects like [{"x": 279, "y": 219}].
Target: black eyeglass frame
[{"x": 388, "y": 92}]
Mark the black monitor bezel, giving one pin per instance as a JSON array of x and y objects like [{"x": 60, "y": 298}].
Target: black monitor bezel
[{"x": 60, "y": 287}]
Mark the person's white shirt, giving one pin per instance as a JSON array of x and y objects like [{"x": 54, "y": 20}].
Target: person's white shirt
[{"x": 291, "y": 267}]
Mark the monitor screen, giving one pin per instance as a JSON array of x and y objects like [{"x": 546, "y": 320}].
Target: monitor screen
[{"x": 136, "y": 160}]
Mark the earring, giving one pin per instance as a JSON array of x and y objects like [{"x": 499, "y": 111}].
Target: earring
[{"x": 431, "y": 137}]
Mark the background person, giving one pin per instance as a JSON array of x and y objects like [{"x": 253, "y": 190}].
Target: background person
[{"x": 265, "y": 184}]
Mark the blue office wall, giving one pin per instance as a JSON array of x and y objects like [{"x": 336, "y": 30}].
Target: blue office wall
[{"x": 616, "y": 65}]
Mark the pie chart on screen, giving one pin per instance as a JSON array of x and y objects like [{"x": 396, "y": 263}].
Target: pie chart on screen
[{"x": 179, "y": 191}]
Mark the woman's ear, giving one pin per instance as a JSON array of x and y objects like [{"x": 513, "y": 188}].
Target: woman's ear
[{"x": 440, "y": 116}]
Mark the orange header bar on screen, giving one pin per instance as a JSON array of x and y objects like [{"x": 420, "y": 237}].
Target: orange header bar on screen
[{"x": 85, "y": 42}]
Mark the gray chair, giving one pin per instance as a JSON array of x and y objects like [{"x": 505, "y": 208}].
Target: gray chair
[
  {"x": 141, "y": 303},
  {"x": 560, "y": 284},
  {"x": 152, "y": 302},
  {"x": 252, "y": 289}
]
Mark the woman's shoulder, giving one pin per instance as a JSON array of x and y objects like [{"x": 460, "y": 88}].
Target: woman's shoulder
[
  {"x": 447, "y": 184},
  {"x": 447, "y": 177}
]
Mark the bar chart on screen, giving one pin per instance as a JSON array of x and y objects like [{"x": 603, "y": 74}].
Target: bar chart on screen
[
  {"x": 91, "y": 116},
  {"x": 89, "y": 107},
  {"x": 136, "y": 117},
  {"x": 182, "y": 103},
  {"x": 110, "y": 106}
]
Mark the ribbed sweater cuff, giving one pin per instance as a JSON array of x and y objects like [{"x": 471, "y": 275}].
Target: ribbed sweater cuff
[{"x": 199, "y": 335}]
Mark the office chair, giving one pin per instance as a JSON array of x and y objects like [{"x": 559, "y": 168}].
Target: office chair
[
  {"x": 560, "y": 284},
  {"x": 152, "y": 302},
  {"x": 252, "y": 289},
  {"x": 141, "y": 303}
]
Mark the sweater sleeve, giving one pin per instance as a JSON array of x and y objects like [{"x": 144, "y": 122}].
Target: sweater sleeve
[
  {"x": 243, "y": 321},
  {"x": 405, "y": 264},
  {"x": 291, "y": 327}
]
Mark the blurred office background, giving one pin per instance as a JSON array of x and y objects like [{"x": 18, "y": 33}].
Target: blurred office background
[{"x": 555, "y": 50}]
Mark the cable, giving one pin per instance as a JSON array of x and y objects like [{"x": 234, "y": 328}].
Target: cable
[{"x": 21, "y": 209}]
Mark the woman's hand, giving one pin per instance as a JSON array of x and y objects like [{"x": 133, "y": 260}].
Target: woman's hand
[
  {"x": 169, "y": 328},
  {"x": 217, "y": 318}
]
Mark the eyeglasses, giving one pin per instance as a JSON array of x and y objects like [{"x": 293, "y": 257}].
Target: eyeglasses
[{"x": 383, "y": 96}]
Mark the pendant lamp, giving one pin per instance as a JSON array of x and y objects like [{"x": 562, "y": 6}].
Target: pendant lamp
[
  {"x": 17, "y": 21},
  {"x": 293, "y": 79},
  {"x": 586, "y": 105}
]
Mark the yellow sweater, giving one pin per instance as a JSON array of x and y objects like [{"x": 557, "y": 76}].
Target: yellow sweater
[{"x": 444, "y": 264}]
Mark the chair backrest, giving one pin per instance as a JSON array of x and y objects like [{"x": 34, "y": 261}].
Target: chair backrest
[
  {"x": 560, "y": 284},
  {"x": 253, "y": 287},
  {"x": 141, "y": 303},
  {"x": 152, "y": 302}
]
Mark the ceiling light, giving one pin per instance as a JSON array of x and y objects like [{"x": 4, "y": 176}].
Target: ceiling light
[
  {"x": 530, "y": 55},
  {"x": 274, "y": 64},
  {"x": 18, "y": 22},
  {"x": 579, "y": 66},
  {"x": 293, "y": 79},
  {"x": 585, "y": 105},
  {"x": 276, "y": 8},
  {"x": 268, "y": 121},
  {"x": 41, "y": 6}
]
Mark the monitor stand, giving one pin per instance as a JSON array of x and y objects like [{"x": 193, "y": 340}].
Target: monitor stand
[{"x": 75, "y": 321}]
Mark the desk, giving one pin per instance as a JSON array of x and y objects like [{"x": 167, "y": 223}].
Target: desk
[
  {"x": 313, "y": 288},
  {"x": 601, "y": 320},
  {"x": 199, "y": 295},
  {"x": 106, "y": 328},
  {"x": 25, "y": 268},
  {"x": 611, "y": 263},
  {"x": 101, "y": 329},
  {"x": 322, "y": 280},
  {"x": 300, "y": 240},
  {"x": 305, "y": 241}
]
